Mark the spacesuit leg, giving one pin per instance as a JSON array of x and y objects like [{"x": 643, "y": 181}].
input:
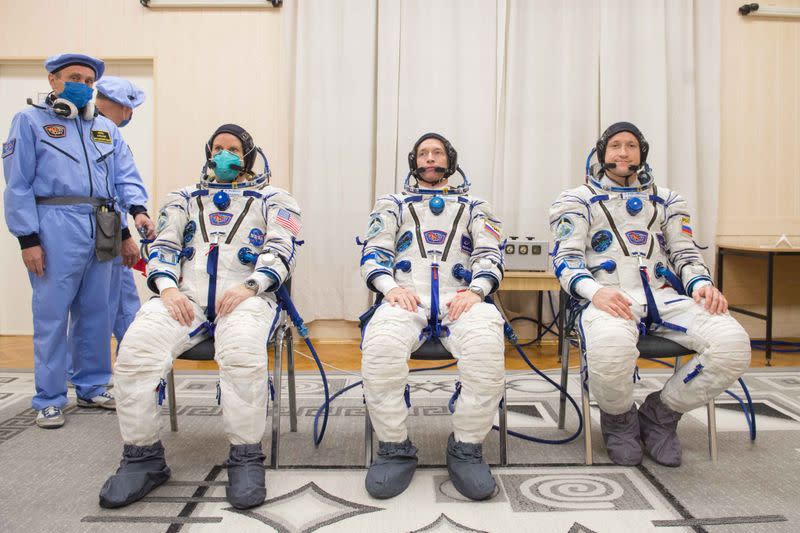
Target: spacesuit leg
[
  {"x": 611, "y": 353},
  {"x": 390, "y": 337},
  {"x": 241, "y": 352}
]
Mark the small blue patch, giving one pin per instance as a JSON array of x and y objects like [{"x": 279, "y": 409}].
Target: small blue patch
[
  {"x": 602, "y": 240},
  {"x": 662, "y": 242},
  {"x": 637, "y": 237},
  {"x": 404, "y": 242},
  {"x": 220, "y": 219},
  {"x": 466, "y": 244},
  {"x": 188, "y": 232},
  {"x": 435, "y": 236},
  {"x": 8, "y": 147},
  {"x": 634, "y": 206},
  {"x": 383, "y": 259},
  {"x": 256, "y": 237},
  {"x": 168, "y": 257}
]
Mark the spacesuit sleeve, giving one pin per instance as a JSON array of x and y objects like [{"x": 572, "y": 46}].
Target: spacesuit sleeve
[
  {"x": 486, "y": 261},
  {"x": 378, "y": 252},
  {"x": 683, "y": 253},
  {"x": 127, "y": 181},
  {"x": 19, "y": 166},
  {"x": 569, "y": 222},
  {"x": 165, "y": 252},
  {"x": 278, "y": 256}
]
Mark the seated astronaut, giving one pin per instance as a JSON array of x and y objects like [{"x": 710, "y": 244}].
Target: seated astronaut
[
  {"x": 415, "y": 243},
  {"x": 223, "y": 247},
  {"x": 625, "y": 247}
]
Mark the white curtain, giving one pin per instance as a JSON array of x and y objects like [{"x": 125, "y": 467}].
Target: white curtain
[{"x": 522, "y": 89}]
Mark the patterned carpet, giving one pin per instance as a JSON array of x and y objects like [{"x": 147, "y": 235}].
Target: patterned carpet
[{"x": 50, "y": 479}]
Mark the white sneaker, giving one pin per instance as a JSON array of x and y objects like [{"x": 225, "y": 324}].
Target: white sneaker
[
  {"x": 50, "y": 417},
  {"x": 104, "y": 401}
]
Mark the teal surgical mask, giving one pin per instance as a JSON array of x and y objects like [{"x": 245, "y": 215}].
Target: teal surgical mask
[{"x": 225, "y": 160}]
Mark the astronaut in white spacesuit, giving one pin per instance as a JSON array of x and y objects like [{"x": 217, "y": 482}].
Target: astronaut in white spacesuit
[
  {"x": 223, "y": 247},
  {"x": 625, "y": 247},
  {"x": 414, "y": 243}
]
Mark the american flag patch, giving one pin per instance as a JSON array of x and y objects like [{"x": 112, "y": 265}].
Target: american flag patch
[{"x": 286, "y": 219}]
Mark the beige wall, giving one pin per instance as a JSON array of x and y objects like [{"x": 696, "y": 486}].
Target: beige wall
[{"x": 760, "y": 157}]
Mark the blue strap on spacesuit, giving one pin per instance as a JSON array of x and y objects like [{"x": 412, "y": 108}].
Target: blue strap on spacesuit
[
  {"x": 211, "y": 269},
  {"x": 671, "y": 278},
  {"x": 653, "y": 317}
]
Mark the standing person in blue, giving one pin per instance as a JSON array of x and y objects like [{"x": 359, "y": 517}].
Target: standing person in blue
[
  {"x": 116, "y": 100},
  {"x": 66, "y": 168}
]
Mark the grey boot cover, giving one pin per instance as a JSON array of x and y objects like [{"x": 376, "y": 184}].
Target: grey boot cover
[
  {"x": 658, "y": 424},
  {"x": 391, "y": 472},
  {"x": 621, "y": 435},
  {"x": 142, "y": 469},
  {"x": 468, "y": 472},
  {"x": 246, "y": 486}
]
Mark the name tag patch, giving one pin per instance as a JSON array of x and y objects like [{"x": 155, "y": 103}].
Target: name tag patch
[{"x": 101, "y": 136}]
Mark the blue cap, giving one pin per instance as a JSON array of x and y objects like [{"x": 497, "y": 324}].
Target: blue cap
[
  {"x": 120, "y": 91},
  {"x": 55, "y": 63}
]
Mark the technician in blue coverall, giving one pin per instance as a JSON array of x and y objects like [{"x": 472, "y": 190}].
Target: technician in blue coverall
[{"x": 63, "y": 164}]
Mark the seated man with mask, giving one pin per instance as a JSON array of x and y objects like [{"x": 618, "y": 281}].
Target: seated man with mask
[
  {"x": 223, "y": 247},
  {"x": 416, "y": 244},
  {"x": 624, "y": 246}
]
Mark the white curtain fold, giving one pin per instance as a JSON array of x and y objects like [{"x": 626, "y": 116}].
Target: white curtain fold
[{"x": 522, "y": 89}]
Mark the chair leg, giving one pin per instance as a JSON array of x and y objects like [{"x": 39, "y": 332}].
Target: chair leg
[
  {"x": 173, "y": 407},
  {"x": 562, "y": 401},
  {"x": 276, "y": 403},
  {"x": 504, "y": 430},
  {"x": 712, "y": 430},
  {"x": 290, "y": 375},
  {"x": 367, "y": 438},
  {"x": 587, "y": 424}
]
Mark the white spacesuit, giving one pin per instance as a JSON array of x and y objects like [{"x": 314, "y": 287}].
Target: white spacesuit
[
  {"x": 638, "y": 239},
  {"x": 415, "y": 240},
  {"x": 211, "y": 237}
]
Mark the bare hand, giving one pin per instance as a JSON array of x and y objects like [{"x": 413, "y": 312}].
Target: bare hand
[
  {"x": 178, "y": 306},
  {"x": 463, "y": 302},
  {"x": 716, "y": 303},
  {"x": 130, "y": 252},
  {"x": 143, "y": 221},
  {"x": 613, "y": 302},
  {"x": 33, "y": 258},
  {"x": 405, "y": 298},
  {"x": 233, "y": 297}
]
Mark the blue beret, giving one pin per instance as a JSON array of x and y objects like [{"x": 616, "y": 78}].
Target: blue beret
[
  {"x": 120, "y": 91},
  {"x": 55, "y": 63}
]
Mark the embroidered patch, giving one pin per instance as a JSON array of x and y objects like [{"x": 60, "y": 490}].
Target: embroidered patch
[
  {"x": 637, "y": 237},
  {"x": 492, "y": 230},
  {"x": 8, "y": 147},
  {"x": 383, "y": 259},
  {"x": 188, "y": 232},
  {"x": 466, "y": 244},
  {"x": 435, "y": 236},
  {"x": 101, "y": 136},
  {"x": 375, "y": 227},
  {"x": 564, "y": 229},
  {"x": 220, "y": 218},
  {"x": 404, "y": 242},
  {"x": 56, "y": 131},
  {"x": 288, "y": 220},
  {"x": 256, "y": 237},
  {"x": 602, "y": 240},
  {"x": 162, "y": 222},
  {"x": 168, "y": 257},
  {"x": 686, "y": 226},
  {"x": 574, "y": 263},
  {"x": 662, "y": 242}
]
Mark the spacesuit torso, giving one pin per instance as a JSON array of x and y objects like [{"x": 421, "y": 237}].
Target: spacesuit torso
[
  {"x": 212, "y": 237},
  {"x": 621, "y": 236},
  {"x": 420, "y": 249}
]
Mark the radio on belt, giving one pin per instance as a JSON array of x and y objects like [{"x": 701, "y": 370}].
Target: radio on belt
[{"x": 526, "y": 254}]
